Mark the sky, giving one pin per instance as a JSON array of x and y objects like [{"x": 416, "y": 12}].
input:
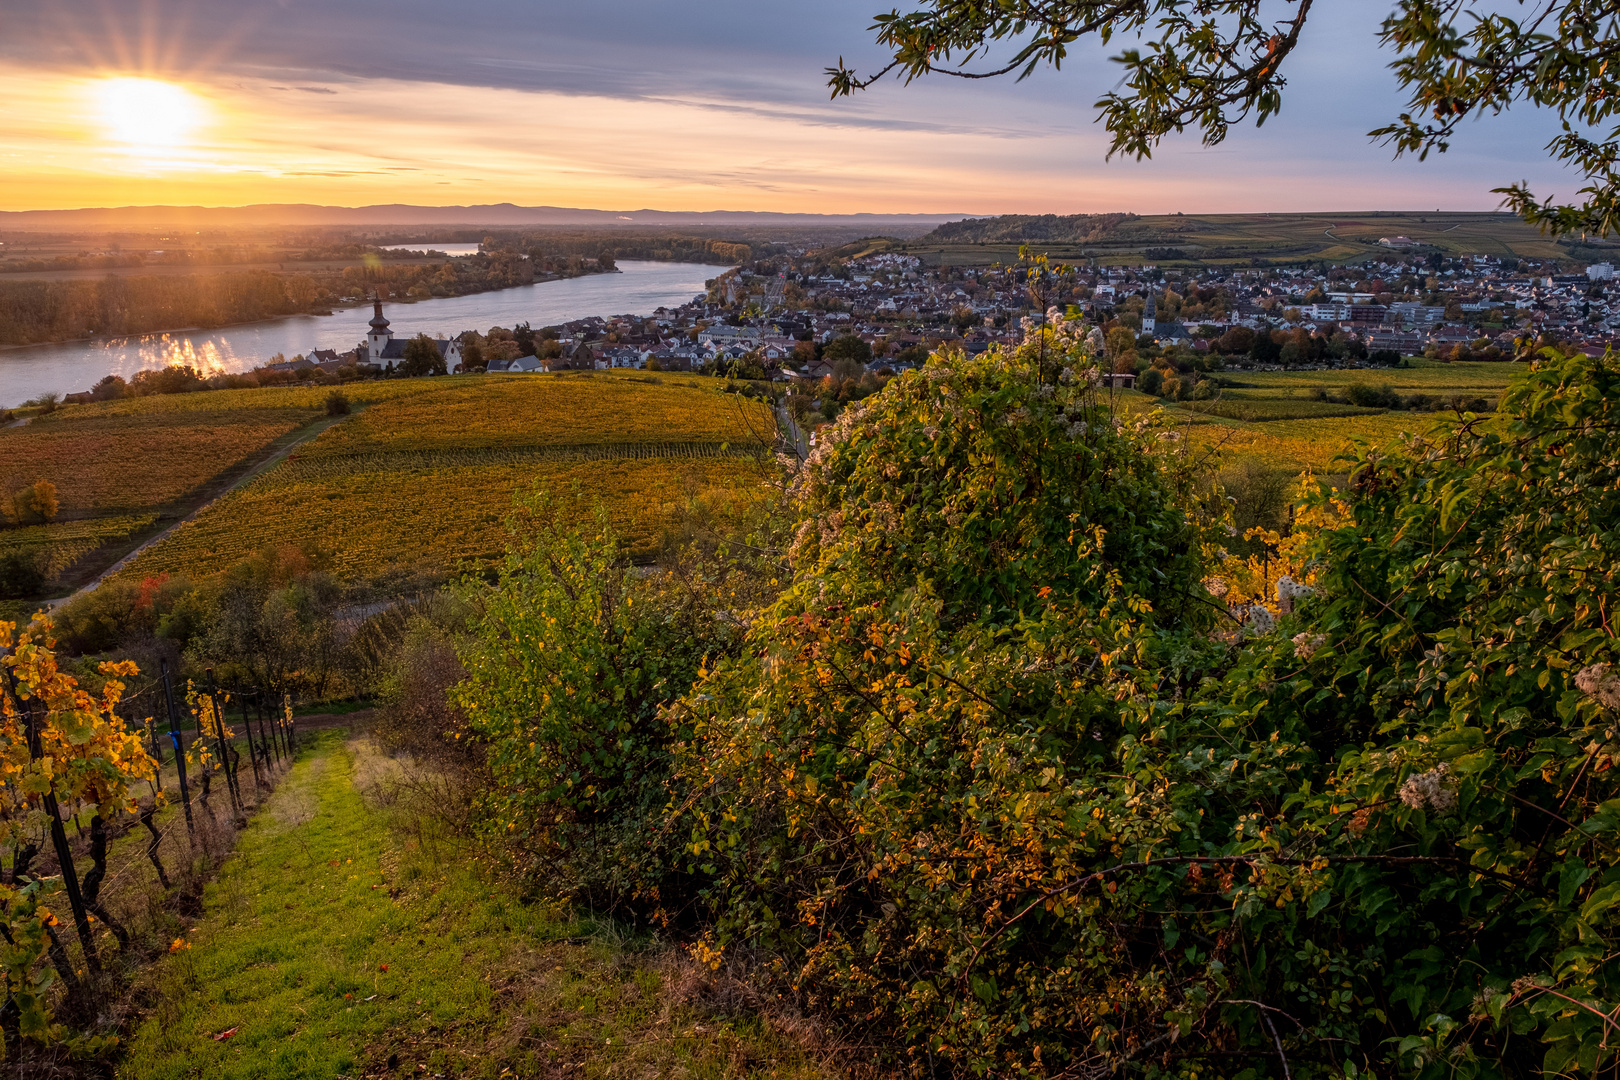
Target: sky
[{"x": 631, "y": 104}]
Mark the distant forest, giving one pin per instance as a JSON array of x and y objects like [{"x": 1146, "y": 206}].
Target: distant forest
[
  {"x": 35, "y": 312},
  {"x": 665, "y": 247}
]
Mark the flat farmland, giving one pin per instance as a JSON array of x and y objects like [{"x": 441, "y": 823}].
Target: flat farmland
[{"x": 416, "y": 488}]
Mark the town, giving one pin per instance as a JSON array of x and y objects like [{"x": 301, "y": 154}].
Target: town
[{"x": 798, "y": 317}]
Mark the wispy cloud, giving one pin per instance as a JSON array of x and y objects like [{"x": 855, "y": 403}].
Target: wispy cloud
[{"x": 647, "y": 102}]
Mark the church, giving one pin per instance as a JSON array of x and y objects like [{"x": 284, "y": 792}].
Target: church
[{"x": 382, "y": 347}]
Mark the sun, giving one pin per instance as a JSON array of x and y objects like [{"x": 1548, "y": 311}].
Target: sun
[{"x": 148, "y": 114}]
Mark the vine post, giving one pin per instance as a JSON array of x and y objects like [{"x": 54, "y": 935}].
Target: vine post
[{"x": 179, "y": 751}]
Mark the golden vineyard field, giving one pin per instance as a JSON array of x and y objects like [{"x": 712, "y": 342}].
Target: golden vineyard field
[
  {"x": 399, "y": 526},
  {"x": 571, "y": 410},
  {"x": 63, "y": 544},
  {"x": 417, "y": 486},
  {"x": 123, "y": 463}
]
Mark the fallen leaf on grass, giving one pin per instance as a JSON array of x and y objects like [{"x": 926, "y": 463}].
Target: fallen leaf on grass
[
  {"x": 373, "y": 997},
  {"x": 227, "y": 1033}
]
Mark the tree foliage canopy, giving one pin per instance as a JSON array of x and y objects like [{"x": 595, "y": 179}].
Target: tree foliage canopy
[{"x": 1209, "y": 64}]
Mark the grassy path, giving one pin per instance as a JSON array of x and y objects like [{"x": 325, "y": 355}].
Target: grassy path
[{"x": 330, "y": 946}]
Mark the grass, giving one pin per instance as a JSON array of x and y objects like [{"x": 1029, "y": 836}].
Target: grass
[
  {"x": 412, "y": 489},
  {"x": 331, "y": 945}
]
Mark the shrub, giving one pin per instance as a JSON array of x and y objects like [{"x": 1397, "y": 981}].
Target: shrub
[
  {"x": 1150, "y": 381},
  {"x": 337, "y": 404},
  {"x": 981, "y": 792},
  {"x": 1369, "y": 397},
  {"x": 568, "y": 663},
  {"x": 912, "y": 745},
  {"x": 416, "y": 714}
]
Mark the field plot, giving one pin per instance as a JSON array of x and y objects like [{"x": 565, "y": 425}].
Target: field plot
[
  {"x": 129, "y": 467},
  {"x": 1237, "y": 239},
  {"x": 1425, "y": 376},
  {"x": 534, "y": 411},
  {"x": 415, "y": 488},
  {"x": 58, "y": 547},
  {"x": 391, "y": 525},
  {"x": 1274, "y": 420},
  {"x": 125, "y": 462}
]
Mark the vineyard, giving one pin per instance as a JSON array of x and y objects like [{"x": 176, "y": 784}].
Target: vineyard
[
  {"x": 526, "y": 411},
  {"x": 414, "y": 488},
  {"x": 1282, "y": 420},
  {"x": 60, "y": 546},
  {"x": 119, "y": 464},
  {"x": 392, "y": 523}
]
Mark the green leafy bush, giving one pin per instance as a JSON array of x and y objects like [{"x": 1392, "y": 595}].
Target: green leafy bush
[
  {"x": 923, "y": 734},
  {"x": 1002, "y": 801},
  {"x": 570, "y": 657}
]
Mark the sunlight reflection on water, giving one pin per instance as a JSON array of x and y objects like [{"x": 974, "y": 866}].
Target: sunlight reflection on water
[{"x": 68, "y": 368}]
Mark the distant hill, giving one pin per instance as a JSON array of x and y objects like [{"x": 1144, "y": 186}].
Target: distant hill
[
  {"x": 501, "y": 214},
  {"x": 1256, "y": 239},
  {"x": 1042, "y": 228}
]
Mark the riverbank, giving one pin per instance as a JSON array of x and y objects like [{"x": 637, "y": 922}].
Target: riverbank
[
  {"x": 72, "y": 366},
  {"x": 345, "y": 304}
]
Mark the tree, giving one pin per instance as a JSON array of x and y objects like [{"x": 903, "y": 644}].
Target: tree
[
  {"x": 1210, "y": 64},
  {"x": 422, "y": 357},
  {"x": 35, "y": 504},
  {"x": 20, "y": 575},
  {"x": 847, "y": 347},
  {"x": 523, "y": 334},
  {"x": 1121, "y": 344}
]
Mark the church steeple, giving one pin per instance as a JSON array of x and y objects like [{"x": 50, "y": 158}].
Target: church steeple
[{"x": 380, "y": 335}]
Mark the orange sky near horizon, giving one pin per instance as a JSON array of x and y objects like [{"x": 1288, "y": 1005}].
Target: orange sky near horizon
[{"x": 255, "y": 140}]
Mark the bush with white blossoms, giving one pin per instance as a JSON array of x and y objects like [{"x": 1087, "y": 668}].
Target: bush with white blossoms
[{"x": 1435, "y": 789}]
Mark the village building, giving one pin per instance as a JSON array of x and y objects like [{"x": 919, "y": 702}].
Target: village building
[{"x": 382, "y": 347}]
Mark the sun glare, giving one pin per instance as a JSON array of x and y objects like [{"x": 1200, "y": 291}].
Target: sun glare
[{"x": 148, "y": 114}]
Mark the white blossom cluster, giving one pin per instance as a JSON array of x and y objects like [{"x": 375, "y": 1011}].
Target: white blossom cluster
[
  {"x": 1289, "y": 590},
  {"x": 1435, "y": 789},
  {"x": 1601, "y": 683},
  {"x": 1260, "y": 621},
  {"x": 1306, "y": 644}
]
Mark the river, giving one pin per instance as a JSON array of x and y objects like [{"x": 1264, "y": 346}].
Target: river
[{"x": 641, "y": 288}]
